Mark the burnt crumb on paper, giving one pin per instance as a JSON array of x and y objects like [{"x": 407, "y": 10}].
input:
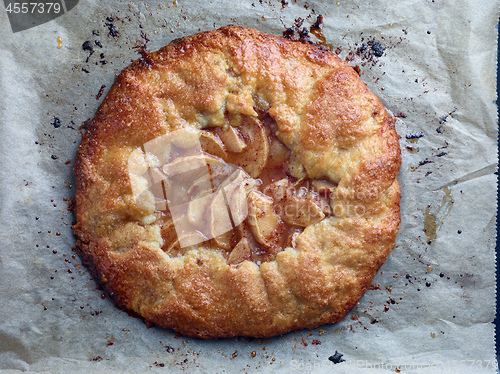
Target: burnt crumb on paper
[
  {"x": 291, "y": 33},
  {"x": 87, "y": 46},
  {"x": 441, "y": 154},
  {"x": 318, "y": 24},
  {"x": 111, "y": 27},
  {"x": 182, "y": 364},
  {"x": 391, "y": 301},
  {"x": 426, "y": 161},
  {"x": 100, "y": 54},
  {"x": 145, "y": 37},
  {"x": 56, "y": 122},
  {"x": 369, "y": 52},
  {"x": 444, "y": 119},
  {"x": 414, "y": 135},
  {"x": 336, "y": 358},
  {"x": 101, "y": 91},
  {"x": 299, "y": 33},
  {"x": 90, "y": 46},
  {"x": 142, "y": 48},
  {"x": 304, "y": 36},
  {"x": 169, "y": 349},
  {"x": 409, "y": 277},
  {"x": 371, "y": 48}
]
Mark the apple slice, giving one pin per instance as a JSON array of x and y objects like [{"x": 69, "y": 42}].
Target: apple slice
[
  {"x": 226, "y": 240},
  {"x": 240, "y": 253},
  {"x": 301, "y": 212},
  {"x": 278, "y": 190},
  {"x": 168, "y": 234},
  {"x": 173, "y": 249},
  {"x": 212, "y": 144},
  {"x": 323, "y": 186},
  {"x": 218, "y": 220},
  {"x": 190, "y": 238},
  {"x": 236, "y": 188},
  {"x": 266, "y": 226},
  {"x": 254, "y": 158},
  {"x": 214, "y": 177},
  {"x": 231, "y": 138},
  {"x": 187, "y": 166},
  {"x": 197, "y": 207}
]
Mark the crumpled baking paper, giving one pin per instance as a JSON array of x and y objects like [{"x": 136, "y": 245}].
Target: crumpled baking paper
[{"x": 430, "y": 308}]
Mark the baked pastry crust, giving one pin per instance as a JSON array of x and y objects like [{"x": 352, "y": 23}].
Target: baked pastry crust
[{"x": 334, "y": 128}]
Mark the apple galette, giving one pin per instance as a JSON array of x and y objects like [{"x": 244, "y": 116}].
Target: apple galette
[{"x": 236, "y": 183}]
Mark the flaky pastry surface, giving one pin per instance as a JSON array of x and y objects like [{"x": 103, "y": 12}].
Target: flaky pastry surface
[{"x": 255, "y": 94}]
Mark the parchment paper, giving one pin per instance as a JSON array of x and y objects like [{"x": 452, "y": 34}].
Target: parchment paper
[{"x": 431, "y": 306}]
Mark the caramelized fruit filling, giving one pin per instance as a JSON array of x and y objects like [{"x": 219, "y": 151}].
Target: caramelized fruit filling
[{"x": 251, "y": 171}]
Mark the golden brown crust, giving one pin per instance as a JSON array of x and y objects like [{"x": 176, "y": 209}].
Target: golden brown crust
[{"x": 333, "y": 126}]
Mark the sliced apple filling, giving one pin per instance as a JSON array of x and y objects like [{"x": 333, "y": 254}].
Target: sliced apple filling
[{"x": 241, "y": 195}]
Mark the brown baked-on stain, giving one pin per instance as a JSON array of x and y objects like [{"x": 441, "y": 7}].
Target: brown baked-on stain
[
  {"x": 431, "y": 222},
  {"x": 430, "y": 226},
  {"x": 319, "y": 156}
]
